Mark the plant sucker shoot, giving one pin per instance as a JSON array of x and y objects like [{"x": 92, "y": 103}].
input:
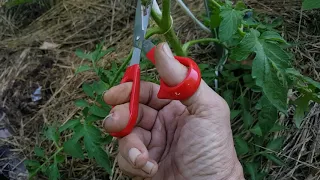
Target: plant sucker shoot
[{"x": 254, "y": 81}]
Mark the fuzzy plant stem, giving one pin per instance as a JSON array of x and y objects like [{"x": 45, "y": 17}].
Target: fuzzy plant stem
[
  {"x": 187, "y": 45},
  {"x": 164, "y": 21}
]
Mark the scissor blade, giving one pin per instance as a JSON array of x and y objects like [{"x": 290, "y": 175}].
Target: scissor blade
[
  {"x": 136, "y": 54},
  {"x": 141, "y": 23}
]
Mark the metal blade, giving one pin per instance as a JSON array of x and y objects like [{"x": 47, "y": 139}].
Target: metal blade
[{"x": 141, "y": 23}]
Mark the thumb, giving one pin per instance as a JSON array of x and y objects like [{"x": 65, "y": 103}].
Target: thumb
[{"x": 172, "y": 73}]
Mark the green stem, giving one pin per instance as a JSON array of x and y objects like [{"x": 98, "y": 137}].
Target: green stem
[
  {"x": 187, "y": 45},
  {"x": 216, "y": 3},
  {"x": 165, "y": 24},
  {"x": 166, "y": 15},
  {"x": 155, "y": 16},
  {"x": 121, "y": 69},
  {"x": 48, "y": 160},
  {"x": 174, "y": 42},
  {"x": 153, "y": 31}
]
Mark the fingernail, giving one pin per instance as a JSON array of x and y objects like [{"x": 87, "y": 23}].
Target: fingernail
[
  {"x": 167, "y": 50},
  {"x": 133, "y": 154},
  {"x": 106, "y": 119},
  {"x": 148, "y": 167}
]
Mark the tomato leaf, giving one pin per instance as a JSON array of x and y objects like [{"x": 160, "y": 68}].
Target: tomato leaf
[
  {"x": 52, "y": 134},
  {"x": 215, "y": 18},
  {"x": 228, "y": 96},
  {"x": 39, "y": 152},
  {"x": 241, "y": 145},
  {"x": 69, "y": 124},
  {"x": 277, "y": 128},
  {"x": 81, "y": 103},
  {"x": 246, "y": 116},
  {"x": 88, "y": 90},
  {"x": 32, "y": 164},
  {"x": 302, "y": 106},
  {"x": 83, "y": 55},
  {"x": 310, "y": 4},
  {"x": 60, "y": 158},
  {"x": 92, "y": 118},
  {"x": 256, "y": 130},
  {"x": 92, "y": 140},
  {"x": 105, "y": 52},
  {"x": 234, "y": 114},
  {"x": 99, "y": 87},
  {"x": 252, "y": 169},
  {"x": 98, "y": 111},
  {"x": 276, "y": 144},
  {"x": 240, "y": 5},
  {"x": 274, "y": 36},
  {"x": 54, "y": 172},
  {"x": 83, "y": 68},
  {"x": 267, "y": 116},
  {"x": 73, "y": 148},
  {"x": 231, "y": 20},
  {"x": 274, "y": 159}
]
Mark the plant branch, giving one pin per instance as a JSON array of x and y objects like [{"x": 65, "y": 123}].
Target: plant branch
[
  {"x": 166, "y": 14},
  {"x": 153, "y": 31},
  {"x": 122, "y": 67},
  {"x": 187, "y": 45},
  {"x": 156, "y": 12},
  {"x": 190, "y": 14},
  {"x": 216, "y": 3},
  {"x": 48, "y": 160}
]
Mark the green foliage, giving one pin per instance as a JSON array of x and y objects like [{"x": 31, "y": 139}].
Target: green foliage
[
  {"x": 258, "y": 92},
  {"x": 231, "y": 20},
  {"x": 310, "y": 4},
  {"x": 86, "y": 139}
]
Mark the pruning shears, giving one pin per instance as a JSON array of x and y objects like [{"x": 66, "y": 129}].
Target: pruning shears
[{"x": 182, "y": 91}]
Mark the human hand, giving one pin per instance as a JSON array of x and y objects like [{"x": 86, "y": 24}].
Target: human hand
[{"x": 190, "y": 139}]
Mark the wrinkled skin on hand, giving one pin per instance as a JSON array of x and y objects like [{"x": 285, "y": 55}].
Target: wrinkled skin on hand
[{"x": 189, "y": 139}]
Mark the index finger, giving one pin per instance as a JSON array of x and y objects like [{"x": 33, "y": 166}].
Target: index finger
[{"x": 120, "y": 94}]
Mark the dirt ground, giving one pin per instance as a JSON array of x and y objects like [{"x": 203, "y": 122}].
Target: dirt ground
[{"x": 40, "y": 54}]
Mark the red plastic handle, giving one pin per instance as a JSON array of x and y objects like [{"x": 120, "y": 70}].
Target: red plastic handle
[
  {"x": 132, "y": 74},
  {"x": 187, "y": 87}
]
